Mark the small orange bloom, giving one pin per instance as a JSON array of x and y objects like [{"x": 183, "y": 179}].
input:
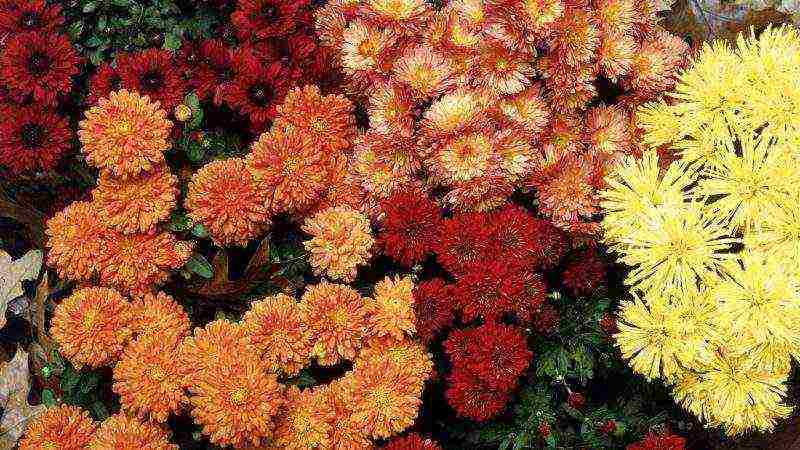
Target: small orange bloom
[
  {"x": 75, "y": 238},
  {"x": 136, "y": 204},
  {"x": 327, "y": 120},
  {"x": 392, "y": 309},
  {"x": 62, "y": 427},
  {"x": 340, "y": 242},
  {"x": 307, "y": 420},
  {"x": 122, "y": 432},
  {"x": 337, "y": 315},
  {"x": 157, "y": 314}
]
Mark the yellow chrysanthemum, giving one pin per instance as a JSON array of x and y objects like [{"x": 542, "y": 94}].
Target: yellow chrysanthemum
[
  {"x": 62, "y": 427},
  {"x": 126, "y": 134},
  {"x": 278, "y": 328},
  {"x": 137, "y": 204},
  {"x": 391, "y": 311},
  {"x": 337, "y": 316},
  {"x": 75, "y": 239},
  {"x": 778, "y": 235},
  {"x": 157, "y": 314},
  {"x": 340, "y": 242},
  {"x": 122, "y": 432},
  {"x": 92, "y": 326},
  {"x": 307, "y": 420}
]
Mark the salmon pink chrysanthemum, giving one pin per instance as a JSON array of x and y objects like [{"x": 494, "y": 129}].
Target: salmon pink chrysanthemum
[{"x": 340, "y": 242}]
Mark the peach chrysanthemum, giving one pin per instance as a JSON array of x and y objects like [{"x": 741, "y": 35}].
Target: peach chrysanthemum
[
  {"x": 330, "y": 21},
  {"x": 364, "y": 49},
  {"x": 500, "y": 71},
  {"x": 136, "y": 204},
  {"x": 126, "y": 134},
  {"x": 657, "y": 63},
  {"x": 337, "y": 316},
  {"x": 404, "y": 16},
  {"x": 307, "y": 420},
  {"x": 616, "y": 16},
  {"x": 607, "y": 131},
  {"x": 452, "y": 113},
  {"x": 615, "y": 55},
  {"x": 92, "y": 326},
  {"x": 136, "y": 263},
  {"x": 392, "y": 310},
  {"x": 340, "y": 242},
  {"x": 209, "y": 343},
  {"x": 149, "y": 379},
  {"x": 463, "y": 158},
  {"x": 406, "y": 356},
  {"x": 235, "y": 398},
  {"x": 425, "y": 71},
  {"x": 327, "y": 120},
  {"x": 75, "y": 238},
  {"x": 390, "y": 110},
  {"x": 385, "y": 400},
  {"x": 122, "y": 432},
  {"x": 576, "y": 38},
  {"x": 224, "y": 197},
  {"x": 277, "y": 327},
  {"x": 479, "y": 194},
  {"x": 518, "y": 158},
  {"x": 289, "y": 169},
  {"x": 571, "y": 193},
  {"x": 158, "y": 313},
  {"x": 62, "y": 427},
  {"x": 527, "y": 110}
]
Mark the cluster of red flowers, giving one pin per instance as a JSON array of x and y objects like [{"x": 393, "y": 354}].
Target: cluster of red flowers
[
  {"x": 277, "y": 50},
  {"x": 37, "y": 63},
  {"x": 491, "y": 96},
  {"x": 662, "y": 441}
]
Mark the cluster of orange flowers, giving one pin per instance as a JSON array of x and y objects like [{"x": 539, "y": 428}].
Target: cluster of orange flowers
[
  {"x": 228, "y": 373},
  {"x": 487, "y": 96},
  {"x": 115, "y": 238}
]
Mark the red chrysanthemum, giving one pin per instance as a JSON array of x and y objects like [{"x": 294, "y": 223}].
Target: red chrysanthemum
[
  {"x": 410, "y": 228},
  {"x": 433, "y": 306},
  {"x": 412, "y": 441},
  {"x": 488, "y": 291},
  {"x": 32, "y": 139},
  {"x": 208, "y": 66},
  {"x": 40, "y": 65},
  {"x": 546, "y": 320},
  {"x": 585, "y": 274},
  {"x": 257, "y": 87},
  {"x": 261, "y": 19},
  {"x": 552, "y": 245},
  {"x": 463, "y": 242},
  {"x": 19, "y": 16},
  {"x": 534, "y": 294},
  {"x": 103, "y": 82},
  {"x": 470, "y": 399},
  {"x": 513, "y": 237},
  {"x": 664, "y": 441},
  {"x": 154, "y": 73},
  {"x": 608, "y": 323}
]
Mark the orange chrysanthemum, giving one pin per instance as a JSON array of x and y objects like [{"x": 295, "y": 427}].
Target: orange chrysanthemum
[
  {"x": 75, "y": 238},
  {"x": 526, "y": 110},
  {"x": 125, "y": 133},
  {"x": 615, "y": 55},
  {"x": 92, "y": 326},
  {"x": 381, "y": 169},
  {"x": 576, "y": 38},
  {"x": 385, "y": 401},
  {"x": 157, "y": 314},
  {"x": 137, "y": 204},
  {"x": 279, "y": 330},
  {"x": 235, "y": 399},
  {"x": 122, "y": 432},
  {"x": 392, "y": 309},
  {"x": 149, "y": 379},
  {"x": 340, "y": 242},
  {"x": 337, "y": 316},
  {"x": 402, "y": 15},
  {"x": 571, "y": 193},
  {"x": 62, "y": 427},
  {"x": 209, "y": 343},
  {"x": 364, "y": 53},
  {"x": 346, "y": 434},
  {"x": 307, "y": 421},
  {"x": 289, "y": 169},
  {"x": 607, "y": 131},
  {"x": 464, "y": 158},
  {"x": 224, "y": 197},
  {"x": 450, "y": 115},
  {"x": 328, "y": 120},
  {"x": 479, "y": 194},
  {"x": 500, "y": 71},
  {"x": 136, "y": 263},
  {"x": 406, "y": 356}
]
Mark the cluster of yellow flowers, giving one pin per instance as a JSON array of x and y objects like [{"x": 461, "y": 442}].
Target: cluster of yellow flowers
[{"x": 714, "y": 236}]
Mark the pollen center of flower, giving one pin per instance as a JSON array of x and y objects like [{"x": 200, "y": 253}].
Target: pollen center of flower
[
  {"x": 152, "y": 80},
  {"x": 501, "y": 64},
  {"x": 32, "y": 135},
  {"x": 319, "y": 125},
  {"x": 239, "y": 396},
  {"x": 38, "y": 63},
  {"x": 339, "y": 317},
  {"x": 382, "y": 398},
  {"x": 30, "y": 20},
  {"x": 158, "y": 374},
  {"x": 260, "y": 94},
  {"x": 49, "y": 445},
  {"x": 368, "y": 48},
  {"x": 89, "y": 319},
  {"x": 124, "y": 128}
]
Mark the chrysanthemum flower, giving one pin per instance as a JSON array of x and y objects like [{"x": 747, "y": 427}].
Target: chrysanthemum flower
[
  {"x": 20, "y": 16},
  {"x": 257, "y": 87},
  {"x": 463, "y": 242},
  {"x": 289, "y": 169},
  {"x": 149, "y": 379},
  {"x": 607, "y": 131},
  {"x": 340, "y": 242},
  {"x": 136, "y": 205},
  {"x": 472, "y": 400},
  {"x": 410, "y": 358},
  {"x": 224, "y": 197},
  {"x": 615, "y": 54},
  {"x": 514, "y": 238},
  {"x": 463, "y": 158},
  {"x": 404, "y": 16},
  {"x": 125, "y": 134},
  {"x": 410, "y": 227},
  {"x": 337, "y": 316},
  {"x": 307, "y": 420},
  {"x": 390, "y": 110},
  {"x": 92, "y": 326},
  {"x": 262, "y": 19},
  {"x": 331, "y": 20},
  {"x": 32, "y": 138},
  {"x": 479, "y": 194},
  {"x": 501, "y": 71},
  {"x": 488, "y": 291},
  {"x": 385, "y": 402},
  {"x": 277, "y": 327},
  {"x": 64, "y": 427},
  {"x": 453, "y": 113},
  {"x": 526, "y": 110},
  {"x": 139, "y": 262},
  {"x": 616, "y": 16},
  {"x": 209, "y": 66},
  {"x": 585, "y": 274},
  {"x": 123, "y": 432},
  {"x": 546, "y": 320},
  {"x": 663, "y": 441},
  {"x": 496, "y": 354},
  {"x": 153, "y": 73},
  {"x": 103, "y": 82},
  {"x": 235, "y": 398},
  {"x": 206, "y": 345},
  {"x": 424, "y": 71},
  {"x": 657, "y": 64},
  {"x": 39, "y": 65},
  {"x": 75, "y": 238},
  {"x": 364, "y": 52},
  {"x": 327, "y": 120},
  {"x": 576, "y": 37},
  {"x": 392, "y": 308},
  {"x": 571, "y": 191},
  {"x": 433, "y": 307},
  {"x": 347, "y": 434},
  {"x": 383, "y": 164},
  {"x": 158, "y": 314},
  {"x": 412, "y": 441}
]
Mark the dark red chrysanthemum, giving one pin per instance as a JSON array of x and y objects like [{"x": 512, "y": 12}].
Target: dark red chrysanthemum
[
  {"x": 103, "y": 82},
  {"x": 546, "y": 320},
  {"x": 576, "y": 400},
  {"x": 463, "y": 242},
  {"x": 552, "y": 244},
  {"x": 207, "y": 65},
  {"x": 514, "y": 237},
  {"x": 20, "y": 16},
  {"x": 39, "y": 65},
  {"x": 31, "y": 139},
  {"x": 154, "y": 73},
  {"x": 411, "y": 226},
  {"x": 608, "y": 323},
  {"x": 471, "y": 399},
  {"x": 532, "y": 297},
  {"x": 585, "y": 274},
  {"x": 412, "y": 441},
  {"x": 665, "y": 441},
  {"x": 488, "y": 291},
  {"x": 261, "y": 19},
  {"x": 433, "y": 307},
  {"x": 301, "y": 52},
  {"x": 258, "y": 87}
]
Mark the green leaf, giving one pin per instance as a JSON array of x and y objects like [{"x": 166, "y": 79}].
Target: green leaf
[
  {"x": 121, "y": 3},
  {"x": 192, "y": 100},
  {"x": 172, "y": 41},
  {"x": 95, "y": 41},
  {"x": 99, "y": 411},
  {"x": 48, "y": 398},
  {"x": 195, "y": 151},
  {"x": 89, "y": 7},
  {"x": 199, "y": 264},
  {"x": 199, "y": 230},
  {"x": 179, "y": 222},
  {"x": 89, "y": 382},
  {"x": 75, "y": 29},
  {"x": 97, "y": 57}
]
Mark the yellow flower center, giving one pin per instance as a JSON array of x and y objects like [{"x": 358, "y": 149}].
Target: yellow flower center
[
  {"x": 183, "y": 112},
  {"x": 319, "y": 125},
  {"x": 292, "y": 164},
  {"x": 501, "y": 64},
  {"x": 368, "y": 48},
  {"x": 49, "y": 445},
  {"x": 124, "y": 128},
  {"x": 239, "y": 396},
  {"x": 158, "y": 374},
  {"x": 339, "y": 317},
  {"x": 382, "y": 398},
  {"x": 89, "y": 318}
]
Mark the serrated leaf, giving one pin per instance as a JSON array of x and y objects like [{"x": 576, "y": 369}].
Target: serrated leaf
[
  {"x": 75, "y": 29},
  {"x": 200, "y": 231},
  {"x": 199, "y": 265}
]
